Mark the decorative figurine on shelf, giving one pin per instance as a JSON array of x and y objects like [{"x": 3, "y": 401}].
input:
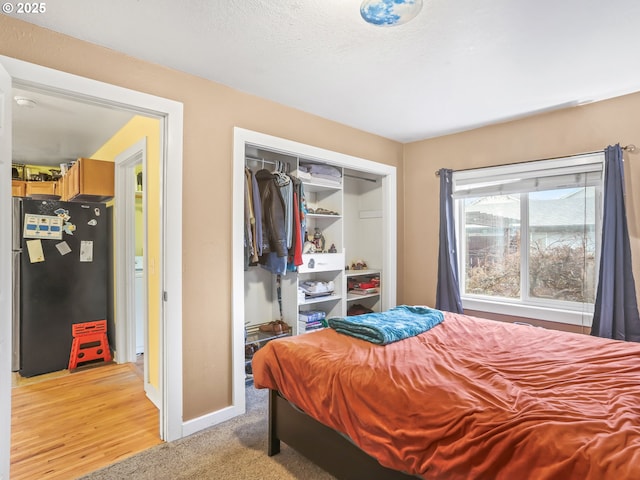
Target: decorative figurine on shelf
[
  {"x": 359, "y": 265},
  {"x": 309, "y": 244},
  {"x": 308, "y": 247},
  {"x": 333, "y": 249},
  {"x": 318, "y": 240}
]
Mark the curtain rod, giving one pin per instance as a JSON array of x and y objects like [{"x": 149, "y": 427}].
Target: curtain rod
[{"x": 630, "y": 148}]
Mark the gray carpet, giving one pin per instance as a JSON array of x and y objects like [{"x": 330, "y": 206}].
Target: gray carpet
[{"x": 235, "y": 449}]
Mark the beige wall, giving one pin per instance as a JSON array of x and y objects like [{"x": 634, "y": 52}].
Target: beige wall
[
  {"x": 575, "y": 130},
  {"x": 210, "y": 113}
]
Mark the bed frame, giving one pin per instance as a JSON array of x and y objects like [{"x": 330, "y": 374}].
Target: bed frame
[{"x": 324, "y": 446}]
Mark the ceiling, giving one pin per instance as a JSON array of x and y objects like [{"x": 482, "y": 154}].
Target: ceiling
[
  {"x": 457, "y": 66},
  {"x": 56, "y": 130}
]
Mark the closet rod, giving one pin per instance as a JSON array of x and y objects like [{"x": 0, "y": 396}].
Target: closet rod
[
  {"x": 270, "y": 162},
  {"x": 629, "y": 148},
  {"x": 361, "y": 178}
]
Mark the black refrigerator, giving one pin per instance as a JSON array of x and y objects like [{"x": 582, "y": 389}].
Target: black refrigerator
[{"x": 61, "y": 269}]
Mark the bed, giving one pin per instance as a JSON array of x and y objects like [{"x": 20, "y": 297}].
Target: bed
[{"x": 468, "y": 399}]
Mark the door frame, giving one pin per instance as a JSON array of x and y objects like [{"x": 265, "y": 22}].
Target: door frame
[
  {"x": 170, "y": 113},
  {"x": 125, "y": 205},
  {"x": 6, "y": 265},
  {"x": 243, "y": 138}
]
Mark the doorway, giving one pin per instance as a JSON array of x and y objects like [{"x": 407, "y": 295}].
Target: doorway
[
  {"x": 131, "y": 265},
  {"x": 170, "y": 180}
]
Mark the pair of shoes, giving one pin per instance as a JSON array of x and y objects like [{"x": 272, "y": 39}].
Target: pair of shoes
[
  {"x": 276, "y": 327},
  {"x": 249, "y": 350},
  {"x": 324, "y": 211}
]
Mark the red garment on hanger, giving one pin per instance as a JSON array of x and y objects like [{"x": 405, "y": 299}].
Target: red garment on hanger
[{"x": 297, "y": 250}]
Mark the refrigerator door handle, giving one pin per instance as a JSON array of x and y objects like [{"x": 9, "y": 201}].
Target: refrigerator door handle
[
  {"x": 15, "y": 314},
  {"x": 16, "y": 230}
]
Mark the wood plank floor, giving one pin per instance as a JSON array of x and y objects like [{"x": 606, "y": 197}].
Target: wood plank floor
[{"x": 67, "y": 426}]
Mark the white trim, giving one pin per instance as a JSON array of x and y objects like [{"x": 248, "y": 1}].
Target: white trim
[
  {"x": 5, "y": 273},
  {"x": 571, "y": 163},
  {"x": 124, "y": 214},
  {"x": 490, "y": 178},
  {"x": 209, "y": 420},
  {"x": 171, "y": 114},
  {"x": 171, "y": 303},
  {"x": 242, "y": 138},
  {"x": 238, "y": 401},
  {"x": 153, "y": 394},
  {"x": 126, "y": 333},
  {"x": 558, "y": 315}
]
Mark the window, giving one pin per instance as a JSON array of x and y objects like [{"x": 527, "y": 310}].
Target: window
[{"x": 528, "y": 237}]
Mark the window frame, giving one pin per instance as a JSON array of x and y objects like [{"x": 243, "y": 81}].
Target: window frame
[{"x": 573, "y": 313}]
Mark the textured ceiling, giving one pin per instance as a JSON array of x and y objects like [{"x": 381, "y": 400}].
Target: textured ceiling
[{"x": 458, "y": 65}]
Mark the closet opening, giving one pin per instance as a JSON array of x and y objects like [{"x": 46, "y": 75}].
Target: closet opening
[{"x": 337, "y": 219}]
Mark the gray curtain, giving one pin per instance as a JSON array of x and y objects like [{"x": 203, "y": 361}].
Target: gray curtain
[
  {"x": 448, "y": 289},
  {"x": 616, "y": 307}
]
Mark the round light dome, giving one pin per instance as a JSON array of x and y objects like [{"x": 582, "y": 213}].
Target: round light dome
[
  {"x": 388, "y": 13},
  {"x": 25, "y": 102}
]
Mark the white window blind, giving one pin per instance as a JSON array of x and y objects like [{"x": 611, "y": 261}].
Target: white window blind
[{"x": 582, "y": 170}]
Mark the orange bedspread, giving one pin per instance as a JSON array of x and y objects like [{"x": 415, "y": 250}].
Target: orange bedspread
[{"x": 471, "y": 399}]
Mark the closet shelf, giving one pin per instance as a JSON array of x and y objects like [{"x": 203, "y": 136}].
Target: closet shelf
[
  {"x": 352, "y": 296},
  {"x": 334, "y": 213},
  {"x": 322, "y": 215},
  {"x": 327, "y": 298},
  {"x": 320, "y": 187},
  {"x": 357, "y": 273}
]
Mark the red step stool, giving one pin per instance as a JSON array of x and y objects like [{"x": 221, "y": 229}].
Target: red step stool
[{"x": 89, "y": 343}]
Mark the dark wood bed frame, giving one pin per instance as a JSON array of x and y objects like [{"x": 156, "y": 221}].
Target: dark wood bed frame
[{"x": 322, "y": 445}]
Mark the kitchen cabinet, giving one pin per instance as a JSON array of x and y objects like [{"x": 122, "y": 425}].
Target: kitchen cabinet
[
  {"x": 41, "y": 188},
  {"x": 89, "y": 180},
  {"x": 18, "y": 188},
  {"x": 21, "y": 188}
]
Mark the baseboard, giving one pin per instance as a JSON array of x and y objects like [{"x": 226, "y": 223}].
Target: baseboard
[
  {"x": 152, "y": 394},
  {"x": 195, "y": 425}
]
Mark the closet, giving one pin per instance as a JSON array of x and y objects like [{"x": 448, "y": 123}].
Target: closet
[{"x": 350, "y": 222}]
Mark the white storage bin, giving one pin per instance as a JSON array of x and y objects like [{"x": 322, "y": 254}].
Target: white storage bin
[{"x": 321, "y": 262}]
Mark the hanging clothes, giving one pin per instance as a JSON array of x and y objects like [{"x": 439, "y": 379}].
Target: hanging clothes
[
  {"x": 249, "y": 223},
  {"x": 295, "y": 252},
  {"x": 297, "y": 248},
  {"x": 286, "y": 190},
  {"x": 274, "y": 249},
  {"x": 253, "y": 217},
  {"x": 303, "y": 215}
]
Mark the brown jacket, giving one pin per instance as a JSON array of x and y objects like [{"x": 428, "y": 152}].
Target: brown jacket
[{"x": 273, "y": 214}]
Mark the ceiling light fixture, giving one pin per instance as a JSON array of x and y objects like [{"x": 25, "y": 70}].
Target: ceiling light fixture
[
  {"x": 389, "y": 13},
  {"x": 25, "y": 102}
]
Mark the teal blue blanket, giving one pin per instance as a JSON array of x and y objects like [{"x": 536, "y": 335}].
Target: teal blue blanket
[{"x": 386, "y": 327}]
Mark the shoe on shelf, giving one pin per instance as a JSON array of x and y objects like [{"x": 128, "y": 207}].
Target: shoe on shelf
[{"x": 276, "y": 327}]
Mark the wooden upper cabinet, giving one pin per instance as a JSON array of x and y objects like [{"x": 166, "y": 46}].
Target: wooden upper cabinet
[
  {"x": 89, "y": 180},
  {"x": 41, "y": 188},
  {"x": 18, "y": 188}
]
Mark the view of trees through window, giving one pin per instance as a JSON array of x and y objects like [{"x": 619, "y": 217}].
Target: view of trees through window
[{"x": 559, "y": 248}]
